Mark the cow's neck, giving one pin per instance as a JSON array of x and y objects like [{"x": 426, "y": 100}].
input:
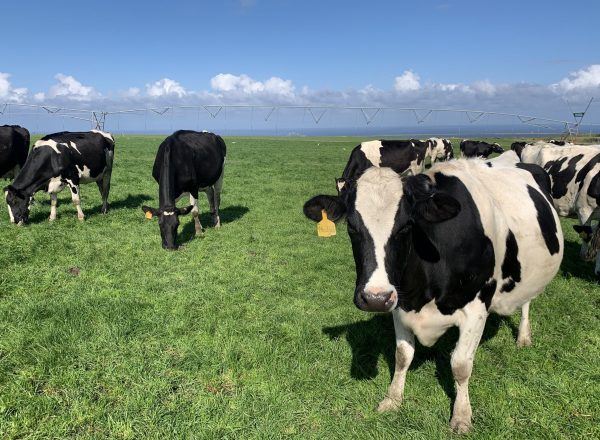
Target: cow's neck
[{"x": 166, "y": 184}]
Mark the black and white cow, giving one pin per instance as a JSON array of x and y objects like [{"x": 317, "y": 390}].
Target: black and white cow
[
  {"x": 574, "y": 171},
  {"x": 58, "y": 160},
  {"x": 445, "y": 248},
  {"x": 187, "y": 162},
  {"x": 14, "y": 146},
  {"x": 440, "y": 149},
  {"x": 400, "y": 155},
  {"x": 478, "y": 149}
]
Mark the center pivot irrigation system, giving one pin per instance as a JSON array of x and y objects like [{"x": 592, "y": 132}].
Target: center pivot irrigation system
[{"x": 97, "y": 118}]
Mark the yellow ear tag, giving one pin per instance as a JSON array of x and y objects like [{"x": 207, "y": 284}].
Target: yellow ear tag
[
  {"x": 148, "y": 215},
  {"x": 325, "y": 228}
]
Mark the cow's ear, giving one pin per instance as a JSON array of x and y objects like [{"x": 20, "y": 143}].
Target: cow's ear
[
  {"x": 152, "y": 211},
  {"x": 184, "y": 211},
  {"x": 333, "y": 206},
  {"x": 427, "y": 203}
]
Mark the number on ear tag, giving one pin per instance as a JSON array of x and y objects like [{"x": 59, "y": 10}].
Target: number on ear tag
[
  {"x": 325, "y": 228},
  {"x": 148, "y": 215}
]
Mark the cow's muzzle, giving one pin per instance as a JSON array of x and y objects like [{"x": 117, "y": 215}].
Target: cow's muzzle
[{"x": 377, "y": 300}]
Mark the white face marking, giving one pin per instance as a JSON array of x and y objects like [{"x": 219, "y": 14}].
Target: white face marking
[
  {"x": 105, "y": 134},
  {"x": 378, "y": 195},
  {"x": 371, "y": 149}
]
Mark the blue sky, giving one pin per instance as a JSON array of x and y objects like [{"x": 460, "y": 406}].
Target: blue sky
[{"x": 522, "y": 56}]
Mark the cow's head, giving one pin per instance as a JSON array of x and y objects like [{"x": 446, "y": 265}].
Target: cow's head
[
  {"x": 517, "y": 147},
  {"x": 496, "y": 148},
  {"x": 168, "y": 222},
  {"x": 386, "y": 217},
  {"x": 18, "y": 205},
  {"x": 590, "y": 245}
]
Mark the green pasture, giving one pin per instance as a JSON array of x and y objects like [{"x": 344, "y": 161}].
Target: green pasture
[{"x": 250, "y": 332}]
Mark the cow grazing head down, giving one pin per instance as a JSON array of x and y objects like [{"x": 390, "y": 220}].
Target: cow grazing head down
[
  {"x": 168, "y": 222},
  {"x": 496, "y": 148},
  {"x": 386, "y": 217},
  {"x": 18, "y": 205}
]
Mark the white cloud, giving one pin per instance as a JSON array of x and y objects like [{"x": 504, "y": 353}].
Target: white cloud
[
  {"x": 8, "y": 92},
  {"x": 131, "y": 92},
  {"x": 165, "y": 87},
  {"x": 588, "y": 78},
  {"x": 407, "y": 82},
  {"x": 243, "y": 84},
  {"x": 69, "y": 88}
]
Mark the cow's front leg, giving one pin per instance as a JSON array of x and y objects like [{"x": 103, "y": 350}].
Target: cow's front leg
[
  {"x": 405, "y": 350},
  {"x": 470, "y": 330},
  {"x": 53, "y": 203},
  {"x": 196, "y": 215},
  {"x": 524, "y": 337},
  {"x": 75, "y": 198}
]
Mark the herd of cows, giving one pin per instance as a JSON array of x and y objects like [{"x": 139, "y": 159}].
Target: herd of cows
[{"x": 437, "y": 248}]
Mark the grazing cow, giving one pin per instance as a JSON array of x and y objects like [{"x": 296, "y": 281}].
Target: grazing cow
[
  {"x": 574, "y": 171},
  {"x": 478, "y": 149},
  {"x": 58, "y": 160},
  {"x": 14, "y": 146},
  {"x": 440, "y": 149},
  {"x": 400, "y": 155},
  {"x": 187, "y": 162},
  {"x": 445, "y": 248}
]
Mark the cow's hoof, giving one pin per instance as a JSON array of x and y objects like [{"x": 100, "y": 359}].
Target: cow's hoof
[
  {"x": 525, "y": 341},
  {"x": 217, "y": 223},
  {"x": 200, "y": 233},
  {"x": 51, "y": 219},
  {"x": 460, "y": 425},
  {"x": 82, "y": 218},
  {"x": 388, "y": 404}
]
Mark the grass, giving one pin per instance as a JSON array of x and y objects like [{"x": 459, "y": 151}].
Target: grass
[{"x": 251, "y": 332}]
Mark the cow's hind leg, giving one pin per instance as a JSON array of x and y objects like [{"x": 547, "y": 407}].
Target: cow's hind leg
[
  {"x": 461, "y": 361},
  {"x": 53, "y": 203},
  {"x": 213, "y": 194},
  {"x": 524, "y": 337},
  {"x": 104, "y": 184},
  {"x": 196, "y": 215},
  {"x": 76, "y": 199},
  {"x": 405, "y": 350}
]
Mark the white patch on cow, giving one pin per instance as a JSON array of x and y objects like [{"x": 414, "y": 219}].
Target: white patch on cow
[
  {"x": 49, "y": 143},
  {"x": 508, "y": 158},
  {"x": 378, "y": 195},
  {"x": 10, "y": 214},
  {"x": 84, "y": 174},
  {"x": 55, "y": 185},
  {"x": 372, "y": 150},
  {"x": 429, "y": 324},
  {"x": 168, "y": 212},
  {"x": 105, "y": 134},
  {"x": 73, "y": 146},
  {"x": 340, "y": 185}
]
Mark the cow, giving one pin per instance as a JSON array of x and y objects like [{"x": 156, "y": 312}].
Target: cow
[
  {"x": 400, "y": 155},
  {"x": 574, "y": 171},
  {"x": 14, "y": 146},
  {"x": 446, "y": 248},
  {"x": 187, "y": 162},
  {"x": 478, "y": 149},
  {"x": 440, "y": 149},
  {"x": 58, "y": 160}
]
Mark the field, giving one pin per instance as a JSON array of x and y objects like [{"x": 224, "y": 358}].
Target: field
[{"x": 250, "y": 332}]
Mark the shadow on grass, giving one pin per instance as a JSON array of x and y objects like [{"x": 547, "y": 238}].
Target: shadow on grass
[
  {"x": 370, "y": 339},
  {"x": 574, "y": 266},
  {"x": 129, "y": 202},
  {"x": 227, "y": 215}
]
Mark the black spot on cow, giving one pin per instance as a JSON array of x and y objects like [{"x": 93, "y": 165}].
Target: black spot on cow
[
  {"x": 511, "y": 267},
  {"x": 562, "y": 178},
  {"x": 581, "y": 175},
  {"x": 594, "y": 188},
  {"x": 487, "y": 292},
  {"x": 540, "y": 176},
  {"x": 545, "y": 220}
]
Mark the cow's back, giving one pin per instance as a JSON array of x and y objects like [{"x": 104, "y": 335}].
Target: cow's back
[
  {"x": 518, "y": 218},
  {"x": 14, "y": 146},
  {"x": 197, "y": 159}
]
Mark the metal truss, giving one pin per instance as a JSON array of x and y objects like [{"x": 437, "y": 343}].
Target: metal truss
[{"x": 97, "y": 118}]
